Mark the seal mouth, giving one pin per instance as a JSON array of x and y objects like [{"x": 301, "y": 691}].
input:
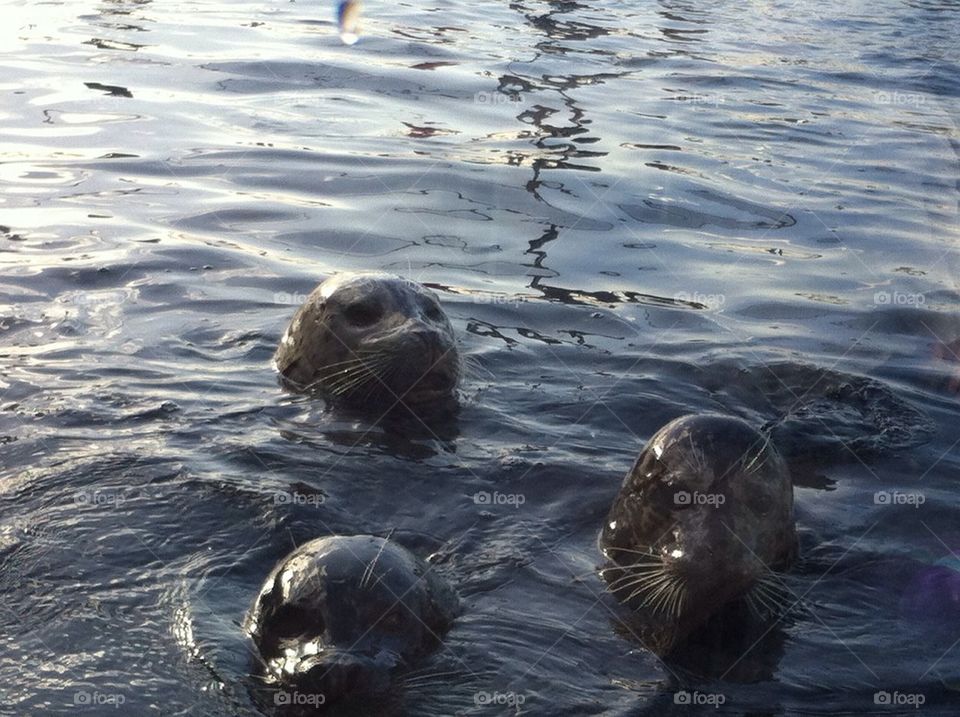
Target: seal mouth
[
  {"x": 437, "y": 383},
  {"x": 333, "y": 672}
]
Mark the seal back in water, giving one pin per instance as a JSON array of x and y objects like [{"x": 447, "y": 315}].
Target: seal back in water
[
  {"x": 371, "y": 337},
  {"x": 341, "y": 615},
  {"x": 703, "y": 516}
]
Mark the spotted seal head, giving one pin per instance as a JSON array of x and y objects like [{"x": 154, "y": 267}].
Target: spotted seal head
[
  {"x": 371, "y": 337},
  {"x": 341, "y": 616},
  {"x": 702, "y": 518}
]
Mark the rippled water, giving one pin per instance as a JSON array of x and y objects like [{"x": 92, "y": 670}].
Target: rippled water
[{"x": 631, "y": 211}]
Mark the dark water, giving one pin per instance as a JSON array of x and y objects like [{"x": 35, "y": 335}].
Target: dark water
[{"x": 631, "y": 211}]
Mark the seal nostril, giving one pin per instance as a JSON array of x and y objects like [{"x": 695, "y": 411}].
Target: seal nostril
[{"x": 346, "y": 675}]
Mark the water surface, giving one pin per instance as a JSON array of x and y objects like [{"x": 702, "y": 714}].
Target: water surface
[{"x": 631, "y": 211}]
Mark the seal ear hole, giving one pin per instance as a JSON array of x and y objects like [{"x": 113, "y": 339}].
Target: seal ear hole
[
  {"x": 293, "y": 620},
  {"x": 394, "y": 620},
  {"x": 363, "y": 313},
  {"x": 758, "y": 503}
]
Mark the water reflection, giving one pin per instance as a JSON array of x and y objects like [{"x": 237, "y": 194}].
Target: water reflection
[
  {"x": 112, "y": 90},
  {"x": 123, "y": 16},
  {"x": 557, "y": 30}
]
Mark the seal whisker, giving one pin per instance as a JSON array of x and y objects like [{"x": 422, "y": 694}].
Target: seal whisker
[
  {"x": 644, "y": 580},
  {"x": 758, "y": 602},
  {"x": 470, "y": 365},
  {"x": 751, "y": 602},
  {"x": 347, "y": 383},
  {"x": 647, "y": 565},
  {"x": 623, "y": 566},
  {"x": 647, "y": 553},
  {"x": 333, "y": 366},
  {"x": 653, "y": 600},
  {"x": 422, "y": 680},
  {"x": 358, "y": 378},
  {"x": 373, "y": 368},
  {"x": 681, "y": 598},
  {"x": 647, "y": 585},
  {"x": 677, "y": 597},
  {"x": 344, "y": 375},
  {"x": 659, "y": 598},
  {"x": 648, "y": 576},
  {"x": 635, "y": 576},
  {"x": 332, "y": 371},
  {"x": 384, "y": 378},
  {"x": 668, "y": 597},
  {"x": 340, "y": 376},
  {"x": 369, "y": 571},
  {"x": 695, "y": 457},
  {"x": 770, "y": 596},
  {"x": 775, "y": 594},
  {"x": 753, "y": 466}
]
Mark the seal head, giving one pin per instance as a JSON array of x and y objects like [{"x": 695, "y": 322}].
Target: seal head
[
  {"x": 371, "y": 337},
  {"x": 703, "y": 516},
  {"x": 339, "y": 615}
]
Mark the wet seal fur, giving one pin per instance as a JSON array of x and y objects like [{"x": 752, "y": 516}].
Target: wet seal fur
[
  {"x": 340, "y": 616},
  {"x": 702, "y": 518},
  {"x": 371, "y": 338}
]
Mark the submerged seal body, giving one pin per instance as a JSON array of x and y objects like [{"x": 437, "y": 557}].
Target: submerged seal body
[
  {"x": 371, "y": 337},
  {"x": 702, "y": 517},
  {"x": 339, "y": 615}
]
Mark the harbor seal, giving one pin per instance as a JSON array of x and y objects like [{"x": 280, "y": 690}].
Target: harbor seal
[
  {"x": 339, "y": 616},
  {"x": 702, "y": 518},
  {"x": 371, "y": 338}
]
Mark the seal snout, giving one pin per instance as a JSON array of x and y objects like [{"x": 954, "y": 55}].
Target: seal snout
[{"x": 341, "y": 672}]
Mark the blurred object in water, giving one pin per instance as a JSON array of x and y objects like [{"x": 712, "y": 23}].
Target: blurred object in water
[
  {"x": 950, "y": 351},
  {"x": 348, "y": 21}
]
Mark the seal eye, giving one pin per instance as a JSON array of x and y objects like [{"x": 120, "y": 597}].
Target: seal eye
[
  {"x": 432, "y": 311},
  {"x": 363, "y": 314},
  {"x": 292, "y": 621}
]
